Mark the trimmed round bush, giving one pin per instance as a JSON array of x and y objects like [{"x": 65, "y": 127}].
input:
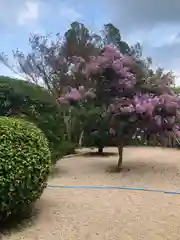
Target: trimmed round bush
[{"x": 24, "y": 165}]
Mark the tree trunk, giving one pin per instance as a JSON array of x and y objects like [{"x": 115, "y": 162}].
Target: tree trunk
[
  {"x": 81, "y": 138},
  {"x": 120, "y": 151},
  {"x": 100, "y": 150}
]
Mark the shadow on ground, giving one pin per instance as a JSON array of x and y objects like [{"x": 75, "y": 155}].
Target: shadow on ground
[
  {"x": 96, "y": 154},
  {"x": 57, "y": 172},
  {"x": 137, "y": 168},
  {"x": 19, "y": 222}
]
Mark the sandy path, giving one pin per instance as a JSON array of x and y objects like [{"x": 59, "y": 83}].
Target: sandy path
[{"x": 110, "y": 214}]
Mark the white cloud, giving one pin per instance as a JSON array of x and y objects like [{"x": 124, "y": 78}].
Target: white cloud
[
  {"x": 18, "y": 12},
  {"x": 69, "y": 13},
  {"x": 29, "y": 13}
]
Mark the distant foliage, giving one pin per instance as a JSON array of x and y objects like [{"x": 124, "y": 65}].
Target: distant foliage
[
  {"x": 25, "y": 162},
  {"x": 29, "y": 101}
]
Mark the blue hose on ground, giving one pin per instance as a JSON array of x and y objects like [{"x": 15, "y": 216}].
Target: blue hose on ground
[{"x": 115, "y": 187}]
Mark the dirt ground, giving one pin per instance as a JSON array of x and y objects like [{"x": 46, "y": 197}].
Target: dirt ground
[{"x": 88, "y": 214}]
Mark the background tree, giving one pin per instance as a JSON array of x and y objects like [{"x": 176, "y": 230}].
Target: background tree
[
  {"x": 79, "y": 41},
  {"x": 52, "y": 63},
  {"x": 96, "y": 134},
  {"x": 111, "y": 35},
  {"x": 50, "y": 60}
]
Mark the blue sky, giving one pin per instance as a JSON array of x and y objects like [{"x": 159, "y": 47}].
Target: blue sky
[{"x": 155, "y": 24}]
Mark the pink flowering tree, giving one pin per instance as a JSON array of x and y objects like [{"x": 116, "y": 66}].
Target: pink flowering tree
[
  {"x": 81, "y": 104},
  {"x": 146, "y": 106},
  {"x": 131, "y": 105},
  {"x": 76, "y": 106}
]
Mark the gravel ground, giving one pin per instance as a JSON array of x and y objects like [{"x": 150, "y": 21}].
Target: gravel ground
[{"x": 73, "y": 214}]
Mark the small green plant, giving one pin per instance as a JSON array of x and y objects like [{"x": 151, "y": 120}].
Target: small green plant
[{"x": 24, "y": 165}]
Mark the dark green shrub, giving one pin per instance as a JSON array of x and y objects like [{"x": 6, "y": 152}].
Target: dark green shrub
[
  {"x": 67, "y": 148},
  {"x": 96, "y": 129},
  {"x": 24, "y": 164},
  {"x": 33, "y": 103}
]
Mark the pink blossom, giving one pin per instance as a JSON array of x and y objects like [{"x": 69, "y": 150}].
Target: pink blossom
[
  {"x": 169, "y": 98},
  {"x": 111, "y": 52},
  {"x": 127, "y": 60},
  {"x": 140, "y": 108},
  {"x": 117, "y": 65},
  {"x": 103, "y": 61},
  {"x": 74, "y": 95},
  {"x": 92, "y": 68}
]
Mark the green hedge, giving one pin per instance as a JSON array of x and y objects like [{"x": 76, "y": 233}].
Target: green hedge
[
  {"x": 25, "y": 162},
  {"x": 34, "y": 103}
]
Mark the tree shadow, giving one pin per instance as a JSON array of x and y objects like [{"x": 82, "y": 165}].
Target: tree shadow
[
  {"x": 57, "y": 172},
  {"x": 144, "y": 168},
  {"x": 97, "y": 154},
  {"x": 114, "y": 169},
  {"x": 19, "y": 221}
]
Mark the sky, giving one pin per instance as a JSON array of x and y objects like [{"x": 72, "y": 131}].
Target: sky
[{"x": 155, "y": 24}]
